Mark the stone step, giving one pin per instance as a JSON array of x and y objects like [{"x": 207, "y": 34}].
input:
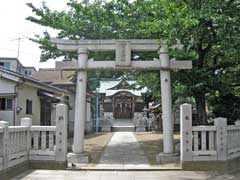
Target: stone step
[{"x": 123, "y": 128}]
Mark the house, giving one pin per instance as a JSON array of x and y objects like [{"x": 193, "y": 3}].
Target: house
[
  {"x": 15, "y": 65},
  {"x": 24, "y": 96},
  {"x": 28, "y": 71},
  {"x": 66, "y": 80}
]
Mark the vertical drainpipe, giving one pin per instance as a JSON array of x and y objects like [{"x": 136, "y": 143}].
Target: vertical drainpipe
[
  {"x": 97, "y": 119},
  {"x": 15, "y": 105}
]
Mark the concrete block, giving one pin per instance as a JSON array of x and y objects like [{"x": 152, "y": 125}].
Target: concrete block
[
  {"x": 167, "y": 158},
  {"x": 140, "y": 129},
  {"x": 77, "y": 158},
  {"x": 106, "y": 129},
  {"x": 26, "y": 121}
]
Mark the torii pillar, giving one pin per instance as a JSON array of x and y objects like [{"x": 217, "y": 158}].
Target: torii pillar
[
  {"x": 78, "y": 155},
  {"x": 168, "y": 154}
]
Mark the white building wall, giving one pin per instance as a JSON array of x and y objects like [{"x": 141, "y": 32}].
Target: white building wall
[
  {"x": 13, "y": 64},
  {"x": 26, "y": 92},
  {"x": 7, "y": 116},
  {"x": 6, "y": 86}
]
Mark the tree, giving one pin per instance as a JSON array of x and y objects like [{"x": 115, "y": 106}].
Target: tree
[
  {"x": 210, "y": 39},
  {"x": 209, "y": 31},
  {"x": 214, "y": 40}
]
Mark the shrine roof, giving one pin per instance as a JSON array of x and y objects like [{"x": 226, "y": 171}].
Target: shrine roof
[{"x": 114, "y": 86}]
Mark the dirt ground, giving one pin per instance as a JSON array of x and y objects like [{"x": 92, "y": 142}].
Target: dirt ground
[
  {"x": 94, "y": 145},
  {"x": 152, "y": 144}
]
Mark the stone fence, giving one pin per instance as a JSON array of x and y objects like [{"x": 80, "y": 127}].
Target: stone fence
[
  {"x": 34, "y": 143},
  {"x": 219, "y": 142}
]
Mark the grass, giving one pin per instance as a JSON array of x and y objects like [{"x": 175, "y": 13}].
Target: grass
[
  {"x": 152, "y": 144},
  {"x": 94, "y": 145}
]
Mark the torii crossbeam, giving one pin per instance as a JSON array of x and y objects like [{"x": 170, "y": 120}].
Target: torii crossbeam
[{"x": 123, "y": 49}]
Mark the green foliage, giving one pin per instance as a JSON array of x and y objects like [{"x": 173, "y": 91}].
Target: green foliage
[
  {"x": 152, "y": 81},
  {"x": 226, "y": 105},
  {"x": 209, "y": 31}
]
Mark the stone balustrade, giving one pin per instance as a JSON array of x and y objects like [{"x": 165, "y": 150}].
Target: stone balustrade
[
  {"x": 233, "y": 141},
  {"x": 42, "y": 143},
  {"x": 219, "y": 142},
  {"x": 34, "y": 143}
]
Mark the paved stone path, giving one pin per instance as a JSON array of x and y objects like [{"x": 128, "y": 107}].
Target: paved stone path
[
  {"x": 123, "y": 152},
  {"x": 123, "y": 175}
]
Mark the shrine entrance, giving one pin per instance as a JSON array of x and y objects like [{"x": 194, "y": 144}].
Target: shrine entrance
[
  {"x": 123, "y": 107},
  {"x": 123, "y": 61}
]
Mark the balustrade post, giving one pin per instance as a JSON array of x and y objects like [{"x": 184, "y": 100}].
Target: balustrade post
[
  {"x": 221, "y": 138},
  {"x": 61, "y": 131},
  {"x": 28, "y": 123},
  {"x": 5, "y": 150},
  {"x": 186, "y": 132}
]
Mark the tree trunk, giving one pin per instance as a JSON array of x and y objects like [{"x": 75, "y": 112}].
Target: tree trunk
[{"x": 201, "y": 110}]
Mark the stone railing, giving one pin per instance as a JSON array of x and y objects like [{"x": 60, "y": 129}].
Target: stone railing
[
  {"x": 208, "y": 143},
  {"x": 42, "y": 143},
  {"x": 204, "y": 144},
  {"x": 34, "y": 143},
  {"x": 13, "y": 141},
  {"x": 233, "y": 141}
]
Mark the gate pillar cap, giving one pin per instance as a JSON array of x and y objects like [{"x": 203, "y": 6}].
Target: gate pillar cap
[{"x": 82, "y": 51}]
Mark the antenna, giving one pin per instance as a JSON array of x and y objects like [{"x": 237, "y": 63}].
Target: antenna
[{"x": 18, "y": 46}]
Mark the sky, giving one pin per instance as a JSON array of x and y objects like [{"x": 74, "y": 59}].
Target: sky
[{"x": 14, "y": 25}]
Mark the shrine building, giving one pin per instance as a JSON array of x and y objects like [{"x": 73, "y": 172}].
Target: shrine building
[{"x": 121, "y": 98}]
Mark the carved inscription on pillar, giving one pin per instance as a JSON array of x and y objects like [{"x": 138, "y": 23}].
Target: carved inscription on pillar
[{"x": 123, "y": 53}]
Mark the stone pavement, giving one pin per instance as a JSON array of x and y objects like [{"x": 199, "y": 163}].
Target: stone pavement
[
  {"x": 123, "y": 152},
  {"x": 122, "y": 175}
]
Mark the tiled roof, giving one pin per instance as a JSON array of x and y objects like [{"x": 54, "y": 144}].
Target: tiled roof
[
  {"x": 106, "y": 85},
  {"x": 32, "y": 80},
  {"x": 54, "y": 77}
]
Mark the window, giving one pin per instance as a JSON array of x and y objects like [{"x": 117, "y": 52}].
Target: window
[
  {"x": 7, "y": 65},
  {"x": 9, "y": 104},
  {"x": 6, "y": 104},
  {"x": 2, "y": 104},
  {"x": 28, "y": 106},
  {"x": 28, "y": 72}
]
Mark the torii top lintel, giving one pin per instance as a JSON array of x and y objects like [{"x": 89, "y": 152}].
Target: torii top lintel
[
  {"x": 123, "y": 50},
  {"x": 107, "y": 45}
]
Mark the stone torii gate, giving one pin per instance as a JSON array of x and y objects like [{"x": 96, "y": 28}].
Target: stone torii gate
[{"x": 122, "y": 61}]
